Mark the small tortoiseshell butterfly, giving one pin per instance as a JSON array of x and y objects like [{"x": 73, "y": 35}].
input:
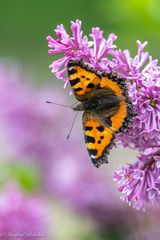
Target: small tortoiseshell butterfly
[{"x": 107, "y": 107}]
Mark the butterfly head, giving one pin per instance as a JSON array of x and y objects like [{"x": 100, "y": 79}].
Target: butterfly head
[{"x": 78, "y": 107}]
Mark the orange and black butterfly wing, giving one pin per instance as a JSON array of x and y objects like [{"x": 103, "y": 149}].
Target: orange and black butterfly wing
[
  {"x": 99, "y": 138},
  {"x": 121, "y": 119},
  {"x": 82, "y": 79},
  {"x": 88, "y": 83}
]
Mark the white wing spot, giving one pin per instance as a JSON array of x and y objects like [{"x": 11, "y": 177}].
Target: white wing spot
[{"x": 70, "y": 68}]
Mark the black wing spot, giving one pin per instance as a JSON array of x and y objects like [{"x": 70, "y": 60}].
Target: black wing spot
[
  {"x": 72, "y": 71},
  {"x": 99, "y": 141},
  {"x": 78, "y": 89},
  {"x": 74, "y": 81},
  {"x": 101, "y": 137},
  {"x": 89, "y": 139},
  {"x": 87, "y": 79},
  {"x": 82, "y": 76},
  {"x": 90, "y": 85},
  {"x": 87, "y": 128},
  {"x": 100, "y": 128},
  {"x": 93, "y": 152}
]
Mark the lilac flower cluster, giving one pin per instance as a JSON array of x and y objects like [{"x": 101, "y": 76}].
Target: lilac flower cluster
[
  {"x": 79, "y": 47},
  {"x": 144, "y": 90},
  {"x": 138, "y": 182}
]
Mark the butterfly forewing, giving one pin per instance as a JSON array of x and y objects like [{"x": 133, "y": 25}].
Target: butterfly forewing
[{"x": 82, "y": 80}]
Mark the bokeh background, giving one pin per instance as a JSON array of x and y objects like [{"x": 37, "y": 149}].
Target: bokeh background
[{"x": 48, "y": 185}]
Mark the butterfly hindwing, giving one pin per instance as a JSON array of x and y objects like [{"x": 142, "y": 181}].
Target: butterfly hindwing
[
  {"x": 122, "y": 118},
  {"x": 98, "y": 137}
]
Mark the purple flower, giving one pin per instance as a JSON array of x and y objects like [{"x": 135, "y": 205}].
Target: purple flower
[
  {"x": 22, "y": 216},
  {"x": 144, "y": 89},
  {"x": 101, "y": 48},
  {"x": 140, "y": 182},
  {"x": 145, "y": 129},
  {"x": 79, "y": 47},
  {"x": 131, "y": 68},
  {"x": 142, "y": 75},
  {"x": 75, "y": 46}
]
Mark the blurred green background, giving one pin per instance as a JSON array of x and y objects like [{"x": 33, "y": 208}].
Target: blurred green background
[{"x": 24, "y": 26}]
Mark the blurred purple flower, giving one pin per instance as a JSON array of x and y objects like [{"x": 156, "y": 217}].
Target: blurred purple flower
[
  {"x": 32, "y": 126},
  {"x": 148, "y": 229},
  {"x": 88, "y": 192},
  {"x": 140, "y": 182},
  {"x": 22, "y": 216}
]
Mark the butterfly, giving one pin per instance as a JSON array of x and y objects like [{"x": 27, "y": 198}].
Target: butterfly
[{"x": 106, "y": 104}]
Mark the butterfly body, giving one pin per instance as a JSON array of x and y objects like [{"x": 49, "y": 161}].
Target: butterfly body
[
  {"x": 99, "y": 104},
  {"x": 107, "y": 107}
]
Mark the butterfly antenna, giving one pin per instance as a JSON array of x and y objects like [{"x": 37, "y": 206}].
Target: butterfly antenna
[
  {"x": 72, "y": 125},
  {"x": 59, "y": 104}
]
